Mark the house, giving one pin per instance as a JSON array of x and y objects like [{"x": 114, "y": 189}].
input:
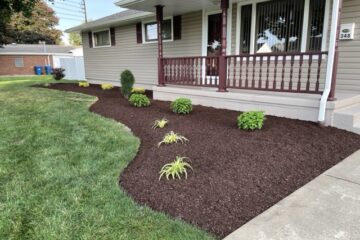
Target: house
[
  {"x": 20, "y": 59},
  {"x": 294, "y": 58}
]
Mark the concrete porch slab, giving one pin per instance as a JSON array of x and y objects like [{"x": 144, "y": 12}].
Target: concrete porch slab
[{"x": 328, "y": 208}]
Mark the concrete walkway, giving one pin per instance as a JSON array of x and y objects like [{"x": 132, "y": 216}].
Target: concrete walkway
[{"x": 328, "y": 208}]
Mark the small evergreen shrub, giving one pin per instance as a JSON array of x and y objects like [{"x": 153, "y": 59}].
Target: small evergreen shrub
[
  {"x": 127, "y": 83},
  {"x": 84, "y": 84},
  {"x": 181, "y": 106},
  {"x": 107, "y": 86},
  {"x": 138, "y": 90},
  {"x": 58, "y": 73},
  {"x": 251, "y": 120},
  {"x": 139, "y": 100}
]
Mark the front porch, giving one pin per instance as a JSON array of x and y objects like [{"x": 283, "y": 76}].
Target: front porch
[
  {"x": 293, "y": 105},
  {"x": 286, "y": 72}
]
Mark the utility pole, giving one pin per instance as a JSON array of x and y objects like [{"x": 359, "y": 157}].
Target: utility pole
[{"x": 84, "y": 9}]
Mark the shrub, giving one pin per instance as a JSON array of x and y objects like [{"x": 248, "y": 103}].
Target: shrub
[
  {"x": 175, "y": 169},
  {"x": 139, "y": 100},
  {"x": 251, "y": 120},
  {"x": 127, "y": 83},
  {"x": 106, "y": 86},
  {"x": 138, "y": 90},
  {"x": 160, "y": 123},
  {"x": 181, "y": 106},
  {"x": 84, "y": 84},
  {"x": 171, "y": 138},
  {"x": 58, "y": 73}
]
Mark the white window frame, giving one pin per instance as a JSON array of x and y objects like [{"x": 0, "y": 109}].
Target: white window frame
[
  {"x": 101, "y": 30},
  {"x": 304, "y": 39},
  {"x": 154, "y": 21}
]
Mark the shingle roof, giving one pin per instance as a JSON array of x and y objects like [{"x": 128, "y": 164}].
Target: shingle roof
[
  {"x": 35, "y": 48},
  {"x": 111, "y": 20}
]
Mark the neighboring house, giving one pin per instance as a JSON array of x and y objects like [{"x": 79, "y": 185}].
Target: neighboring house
[
  {"x": 20, "y": 59},
  {"x": 285, "y": 57}
]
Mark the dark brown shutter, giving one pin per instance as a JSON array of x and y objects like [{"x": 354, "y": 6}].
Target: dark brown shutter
[
  {"x": 90, "y": 40},
  {"x": 177, "y": 27},
  {"x": 139, "y": 33},
  {"x": 112, "y": 36}
]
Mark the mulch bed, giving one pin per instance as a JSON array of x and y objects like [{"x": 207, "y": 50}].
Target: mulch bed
[{"x": 237, "y": 175}]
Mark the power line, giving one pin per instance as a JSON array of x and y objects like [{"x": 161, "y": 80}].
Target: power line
[
  {"x": 70, "y": 10},
  {"x": 68, "y": 14},
  {"x": 65, "y": 3}
]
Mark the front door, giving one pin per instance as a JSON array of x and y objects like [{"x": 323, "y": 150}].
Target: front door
[{"x": 214, "y": 43}]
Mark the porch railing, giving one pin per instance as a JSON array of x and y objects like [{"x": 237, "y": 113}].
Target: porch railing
[
  {"x": 290, "y": 72},
  {"x": 194, "y": 71},
  {"x": 282, "y": 72}
]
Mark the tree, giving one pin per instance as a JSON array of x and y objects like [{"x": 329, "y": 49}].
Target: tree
[
  {"x": 75, "y": 39},
  {"x": 38, "y": 26},
  {"x": 10, "y": 7}
]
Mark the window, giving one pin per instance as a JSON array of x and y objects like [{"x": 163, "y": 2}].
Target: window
[
  {"x": 316, "y": 25},
  {"x": 245, "y": 38},
  {"x": 151, "y": 31},
  {"x": 278, "y": 26},
  {"x": 19, "y": 62},
  {"x": 102, "y": 38}
]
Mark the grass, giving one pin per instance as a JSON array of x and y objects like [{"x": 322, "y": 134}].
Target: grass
[{"x": 59, "y": 171}]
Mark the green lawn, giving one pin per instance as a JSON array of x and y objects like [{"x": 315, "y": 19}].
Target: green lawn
[{"x": 59, "y": 167}]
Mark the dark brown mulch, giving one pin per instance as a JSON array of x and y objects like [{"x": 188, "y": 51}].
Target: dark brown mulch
[{"x": 237, "y": 175}]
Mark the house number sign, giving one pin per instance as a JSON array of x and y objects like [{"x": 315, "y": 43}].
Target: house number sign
[{"x": 347, "y": 31}]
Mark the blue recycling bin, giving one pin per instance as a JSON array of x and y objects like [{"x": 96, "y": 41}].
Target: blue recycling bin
[
  {"x": 48, "y": 69},
  {"x": 38, "y": 70}
]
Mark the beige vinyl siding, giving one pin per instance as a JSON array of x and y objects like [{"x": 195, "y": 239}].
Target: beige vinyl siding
[
  {"x": 106, "y": 64},
  {"x": 348, "y": 78}
]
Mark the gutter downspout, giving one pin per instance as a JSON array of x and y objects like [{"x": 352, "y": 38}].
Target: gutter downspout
[{"x": 335, "y": 23}]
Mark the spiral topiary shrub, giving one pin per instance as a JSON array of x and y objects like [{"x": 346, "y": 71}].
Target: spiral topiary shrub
[
  {"x": 127, "y": 82},
  {"x": 182, "y": 106},
  {"x": 251, "y": 120},
  {"x": 139, "y": 100}
]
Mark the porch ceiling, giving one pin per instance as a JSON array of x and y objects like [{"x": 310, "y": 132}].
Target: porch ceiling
[{"x": 172, "y": 7}]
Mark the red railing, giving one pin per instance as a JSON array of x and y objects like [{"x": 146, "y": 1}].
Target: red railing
[
  {"x": 290, "y": 72},
  {"x": 282, "y": 72},
  {"x": 194, "y": 71}
]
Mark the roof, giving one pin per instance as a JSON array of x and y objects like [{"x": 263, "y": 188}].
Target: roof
[
  {"x": 35, "y": 48},
  {"x": 116, "y": 19}
]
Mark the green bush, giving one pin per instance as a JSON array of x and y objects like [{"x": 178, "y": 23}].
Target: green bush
[
  {"x": 182, "y": 106},
  {"x": 127, "y": 83},
  {"x": 139, "y": 100},
  {"x": 251, "y": 120}
]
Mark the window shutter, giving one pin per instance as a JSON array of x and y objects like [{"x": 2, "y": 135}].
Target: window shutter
[
  {"x": 90, "y": 40},
  {"x": 139, "y": 38},
  {"x": 112, "y": 36},
  {"x": 177, "y": 27}
]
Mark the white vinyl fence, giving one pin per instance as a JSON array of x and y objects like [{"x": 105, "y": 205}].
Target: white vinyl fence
[{"x": 74, "y": 67}]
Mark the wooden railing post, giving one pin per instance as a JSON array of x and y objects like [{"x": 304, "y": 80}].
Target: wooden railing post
[
  {"x": 159, "y": 19},
  {"x": 222, "y": 57}
]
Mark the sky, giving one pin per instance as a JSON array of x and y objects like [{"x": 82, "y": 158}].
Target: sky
[{"x": 70, "y": 15}]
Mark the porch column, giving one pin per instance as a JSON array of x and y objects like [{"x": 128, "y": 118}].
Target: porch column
[
  {"x": 336, "y": 54},
  {"x": 222, "y": 57},
  {"x": 159, "y": 19}
]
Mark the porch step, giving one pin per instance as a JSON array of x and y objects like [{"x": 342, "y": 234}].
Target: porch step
[{"x": 348, "y": 118}]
